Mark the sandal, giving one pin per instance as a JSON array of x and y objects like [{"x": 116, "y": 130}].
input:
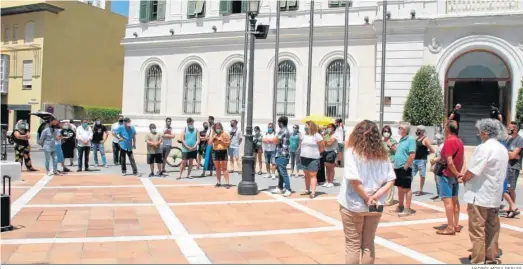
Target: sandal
[
  {"x": 512, "y": 214},
  {"x": 457, "y": 229},
  {"x": 446, "y": 232},
  {"x": 306, "y": 193},
  {"x": 312, "y": 195}
]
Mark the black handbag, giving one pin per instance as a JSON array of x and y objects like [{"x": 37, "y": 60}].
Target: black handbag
[{"x": 440, "y": 166}]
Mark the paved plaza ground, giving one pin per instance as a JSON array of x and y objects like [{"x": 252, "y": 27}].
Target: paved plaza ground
[{"x": 102, "y": 217}]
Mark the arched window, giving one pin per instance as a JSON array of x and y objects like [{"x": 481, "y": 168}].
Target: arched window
[
  {"x": 334, "y": 90},
  {"x": 286, "y": 91},
  {"x": 234, "y": 89},
  {"x": 192, "y": 90},
  {"x": 153, "y": 89},
  {"x": 29, "y": 32}
]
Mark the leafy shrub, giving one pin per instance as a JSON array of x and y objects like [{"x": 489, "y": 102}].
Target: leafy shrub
[
  {"x": 106, "y": 115},
  {"x": 424, "y": 104},
  {"x": 519, "y": 105}
]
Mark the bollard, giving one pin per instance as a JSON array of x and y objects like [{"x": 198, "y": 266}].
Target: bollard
[{"x": 5, "y": 206}]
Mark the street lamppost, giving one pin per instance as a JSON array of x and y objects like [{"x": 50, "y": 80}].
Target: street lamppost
[{"x": 248, "y": 186}]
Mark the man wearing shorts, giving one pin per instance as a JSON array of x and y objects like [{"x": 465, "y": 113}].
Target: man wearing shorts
[
  {"x": 452, "y": 154},
  {"x": 269, "y": 151},
  {"x": 423, "y": 149},
  {"x": 190, "y": 143},
  {"x": 514, "y": 144},
  {"x": 234, "y": 148},
  {"x": 340, "y": 138},
  {"x": 154, "y": 150},
  {"x": 403, "y": 159},
  {"x": 167, "y": 143}
]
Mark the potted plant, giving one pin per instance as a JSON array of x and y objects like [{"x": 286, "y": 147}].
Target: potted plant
[{"x": 424, "y": 105}]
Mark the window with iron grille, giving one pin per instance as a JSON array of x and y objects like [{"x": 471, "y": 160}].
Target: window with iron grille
[
  {"x": 334, "y": 90},
  {"x": 288, "y": 5},
  {"x": 152, "y": 10},
  {"x": 234, "y": 89},
  {"x": 286, "y": 91},
  {"x": 192, "y": 90},
  {"x": 153, "y": 89}
]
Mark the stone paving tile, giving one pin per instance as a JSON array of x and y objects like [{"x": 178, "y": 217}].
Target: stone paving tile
[
  {"x": 206, "y": 194},
  {"x": 172, "y": 181},
  {"x": 64, "y": 222},
  {"x": 308, "y": 248},
  {"x": 16, "y": 193},
  {"x": 449, "y": 249},
  {"x": 91, "y": 196},
  {"x": 243, "y": 218},
  {"x": 93, "y": 180},
  {"x": 138, "y": 252},
  {"x": 29, "y": 179},
  {"x": 331, "y": 209}
]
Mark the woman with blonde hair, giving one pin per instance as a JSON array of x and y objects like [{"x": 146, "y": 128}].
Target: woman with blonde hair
[
  {"x": 312, "y": 146},
  {"x": 221, "y": 141},
  {"x": 368, "y": 176}
]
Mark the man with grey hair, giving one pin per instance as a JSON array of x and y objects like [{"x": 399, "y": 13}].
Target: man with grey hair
[
  {"x": 423, "y": 149},
  {"x": 403, "y": 159},
  {"x": 483, "y": 182}
]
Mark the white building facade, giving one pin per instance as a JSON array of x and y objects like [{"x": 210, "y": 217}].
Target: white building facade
[{"x": 185, "y": 58}]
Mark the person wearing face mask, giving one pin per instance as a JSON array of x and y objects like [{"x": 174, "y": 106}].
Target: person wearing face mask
[
  {"x": 257, "y": 141},
  {"x": 330, "y": 155},
  {"x": 208, "y": 163},
  {"x": 423, "y": 149},
  {"x": 69, "y": 142},
  {"x": 515, "y": 154},
  {"x": 190, "y": 142},
  {"x": 84, "y": 136},
  {"x": 340, "y": 138},
  {"x": 154, "y": 151},
  {"x": 116, "y": 141},
  {"x": 221, "y": 142},
  {"x": 48, "y": 141},
  {"x": 203, "y": 144},
  {"x": 294, "y": 145},
  {"x": 100, "y": 134},
  {"x": 390, "y": 145},
  {"x": 167, "y": 143},
  {"x": 59, "y": 152},
  {"x": 269, "y": 150},
  {"x": 234, "y": 148},
  {"x": 22, "y": 147},
  {"x": 127, "y": 136}
]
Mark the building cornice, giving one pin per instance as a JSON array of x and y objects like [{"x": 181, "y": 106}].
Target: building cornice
[{"x": 15, "y": 10}]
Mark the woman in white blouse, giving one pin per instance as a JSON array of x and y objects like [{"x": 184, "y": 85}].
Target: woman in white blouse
[
  {"x": 311, "y": 147},
  {"x": 368, "y": 176}
]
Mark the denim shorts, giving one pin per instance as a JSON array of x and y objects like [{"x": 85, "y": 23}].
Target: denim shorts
[
  {"x": 448, "y": 187},
  {"x": 421, "y": 166},
  {"x": 234, "y": 152},
  {"x": 59, "y": 153},
  {"x": 270, "y": 157}
]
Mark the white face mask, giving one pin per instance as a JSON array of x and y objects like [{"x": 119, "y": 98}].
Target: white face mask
[{"x": 386, "y": 134}]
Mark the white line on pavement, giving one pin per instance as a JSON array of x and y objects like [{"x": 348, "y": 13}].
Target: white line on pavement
[
  {"x": 23, "y": 200},
  {"x": 188, "y": 246},
  {"x": 88, "y": 205},
  {"x": 463, "y": 216},
  {"x": 378, "y": 240},
  {"x": 84, "y": 239}
]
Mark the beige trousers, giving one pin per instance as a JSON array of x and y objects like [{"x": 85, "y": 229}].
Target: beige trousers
[
  {"x": 484, "y": 233},
  {"x": 360, "y": 230}
]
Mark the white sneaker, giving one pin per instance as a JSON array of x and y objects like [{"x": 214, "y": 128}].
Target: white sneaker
[
  {"x": 273, "y": 176},
  {"x": 330, "y": 185},
  {"x": 286, "y": 193},
  {"x": 276, "y": 191},
  {"x": 267, "y": 176},
  {"x": 50, "y": 174},
  {"x": 325, "y": 184}
]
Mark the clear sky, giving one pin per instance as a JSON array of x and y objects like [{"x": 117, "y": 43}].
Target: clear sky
[{"x": 120, "y": 7}]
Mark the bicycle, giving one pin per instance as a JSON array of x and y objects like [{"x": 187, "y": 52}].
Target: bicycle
[{"x": 175, "y": 157}]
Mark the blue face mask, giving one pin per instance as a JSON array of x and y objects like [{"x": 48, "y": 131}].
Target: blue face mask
[
  {"x": 269, "y": 130},
  {"x": 85, "y": 125}
]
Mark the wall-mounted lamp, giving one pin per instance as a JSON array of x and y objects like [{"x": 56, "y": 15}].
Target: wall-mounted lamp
[
  {"x": 135, "y": 34},
  {"x": 214, "y": 29},
  {"x": 388, "y": 15},
  {"x": 366, "y": 19},
  {"x": 171, "y": 31},
  {"x": 412, "y": 14}
]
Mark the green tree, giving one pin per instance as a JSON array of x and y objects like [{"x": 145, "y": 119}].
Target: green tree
[
  {"x": 519, "y": 105},
  {"x": 424, "y": 104}
]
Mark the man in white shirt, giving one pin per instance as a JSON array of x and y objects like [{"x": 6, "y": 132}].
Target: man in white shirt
[
  {"x": 84, "y": 135},
  {"x": 340, "y": 137},
  {"x": 234, "y": 148},
  {"x": 483, "y": 181},
  {"x": 269, "y": 150},
  {"x": 116, "y": 146}
]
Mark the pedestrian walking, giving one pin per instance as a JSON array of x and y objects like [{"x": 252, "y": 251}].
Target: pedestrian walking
[
  {"x": 127, "y": 136},
  {"x": 84, "y": 136},
  {"x": 100, "y": 134},
  {"x": 367, "y": 177}
]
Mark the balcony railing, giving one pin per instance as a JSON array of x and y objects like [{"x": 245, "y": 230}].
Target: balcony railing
[{"x": 461, "y": 6}]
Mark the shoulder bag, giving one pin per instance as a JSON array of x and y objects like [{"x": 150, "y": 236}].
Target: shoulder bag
[{"x": 440, "y": 166}]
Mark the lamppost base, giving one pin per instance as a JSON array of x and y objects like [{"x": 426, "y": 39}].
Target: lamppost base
[{"x": 248, "y": 185}]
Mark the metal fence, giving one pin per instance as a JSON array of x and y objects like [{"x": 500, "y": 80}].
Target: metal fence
[
  {"x": 192, "y": 90},
  {"x": 234, "y": 89},
  {"x": 334, "y": 90},
  {"x": 286, "y": 91},
  {"x": 153, "y": 89}
]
